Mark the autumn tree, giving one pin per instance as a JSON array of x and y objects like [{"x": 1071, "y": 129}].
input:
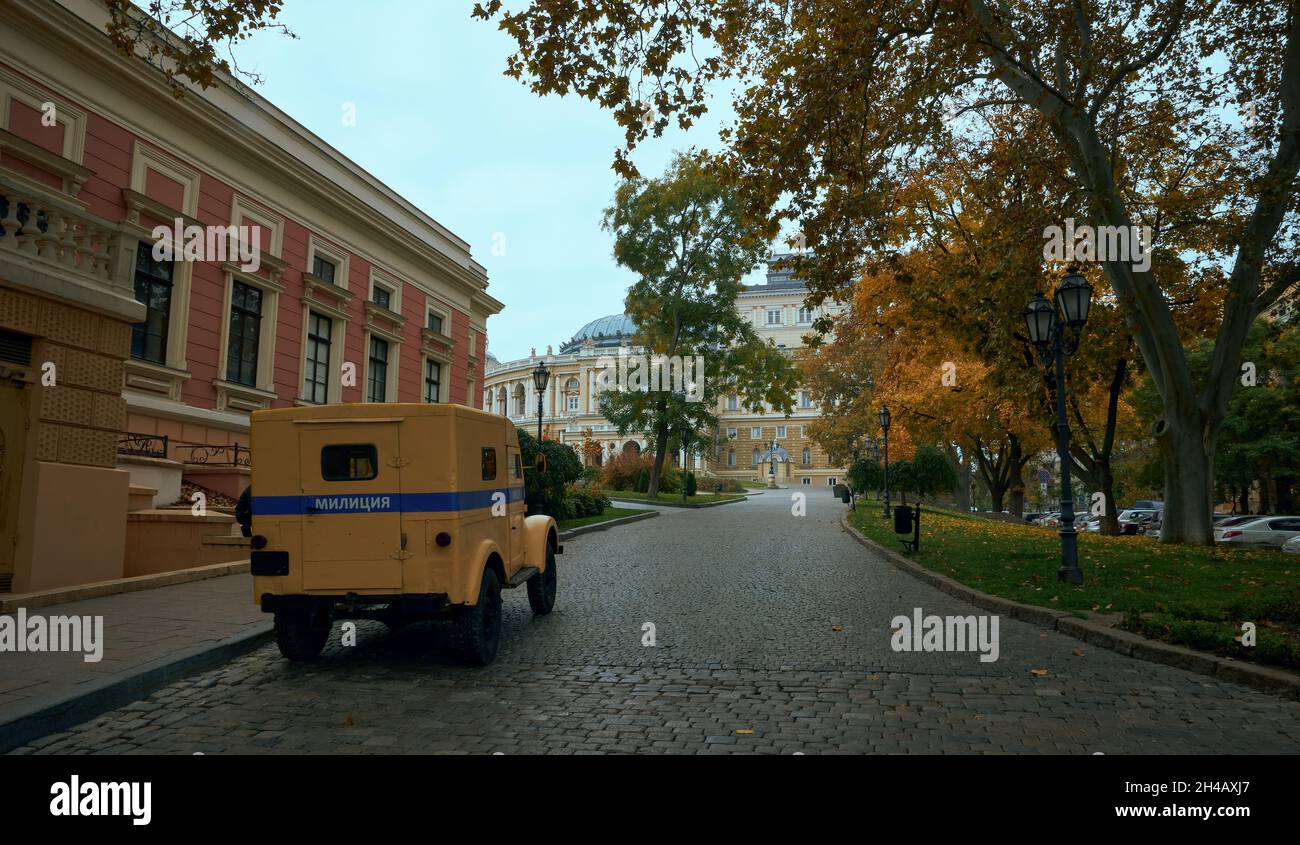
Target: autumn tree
[
  {"x": 685, "y": 238},
  {"x": 191, "y": 40},
  {"x": 834, "y": 99}
]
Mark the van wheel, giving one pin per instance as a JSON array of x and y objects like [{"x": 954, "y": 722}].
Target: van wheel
[
  {"x": 478, "y": 627},
  {"x": 541, "y": 587},
  {"x": 300, "y": 634}
]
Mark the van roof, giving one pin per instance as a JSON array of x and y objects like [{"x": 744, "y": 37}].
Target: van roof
[{"x": 344, "y": 411}]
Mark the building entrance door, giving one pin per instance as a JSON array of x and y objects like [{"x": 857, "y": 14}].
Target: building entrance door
[{"x": 14, "y": 402}]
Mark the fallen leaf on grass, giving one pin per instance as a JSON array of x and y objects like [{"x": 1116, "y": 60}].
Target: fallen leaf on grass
[{"x": 1078, "y": 652}]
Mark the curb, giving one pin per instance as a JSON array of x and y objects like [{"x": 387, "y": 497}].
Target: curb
[
  {"x": 697, "y": 506},
  {"x": 47, "y": 598},
  {"x": 1262, "y": 678},
  {"x": 601, "y": 526},
  {"x": 92, "y": 699}
]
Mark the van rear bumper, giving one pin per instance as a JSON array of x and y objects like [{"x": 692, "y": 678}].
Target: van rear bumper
[{"x": 353, "y": 606}]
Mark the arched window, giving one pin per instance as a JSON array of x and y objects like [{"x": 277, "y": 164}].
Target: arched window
[
  {"x": 807, "y": 455},
  {"x": 501, "y": 401},
  {"x": 571, "y": 391},
  {"x": 519, "y": 401}
]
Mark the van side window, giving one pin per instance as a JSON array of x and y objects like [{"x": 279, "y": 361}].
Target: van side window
[
  {"x": 489, "y": 464},
  {"x": 349, "y": 462},
  {"x": 516, "y": 470}
]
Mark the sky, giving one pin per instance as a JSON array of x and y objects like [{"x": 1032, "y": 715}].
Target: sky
[{"x": 437, "y": 122}]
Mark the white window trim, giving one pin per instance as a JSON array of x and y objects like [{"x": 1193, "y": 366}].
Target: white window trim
[
  {"x": 13, "y": 87},
  {"x": 231, "y": 395},
  {"x": 780, "y": 432},
  {"x": 244, "y": 211},
  {"x": 394, "y": 363},
  {"x": 432, "y": 306},
  {"x": 337, "y": 255},
  {"x": 388, "y": 283},
  {"x": 755, "y": 432},
  {"x": 338, "y": 333},
  {"x": 444, "y": 387}
]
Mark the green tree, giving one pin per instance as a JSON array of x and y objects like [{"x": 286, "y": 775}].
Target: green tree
[
  {"x": 684, "y": 236},
  {"x": 866, "y": 474},
  {"x": 931, "y": 472}
]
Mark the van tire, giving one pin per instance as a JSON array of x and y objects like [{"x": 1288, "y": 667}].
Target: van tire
[
  {"x": 478, "y": 626},
  {"x": 299, "y": 636},
  {"x": 541, "y": 587}
]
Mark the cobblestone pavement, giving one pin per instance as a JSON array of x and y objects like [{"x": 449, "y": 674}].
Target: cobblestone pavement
[{"x": 772, "y": 635}]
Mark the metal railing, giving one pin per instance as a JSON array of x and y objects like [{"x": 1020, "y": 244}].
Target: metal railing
[{"x": 132, "y": 443}]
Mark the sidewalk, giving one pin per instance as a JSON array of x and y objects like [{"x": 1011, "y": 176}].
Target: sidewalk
[{"x": 149, "y": 637}]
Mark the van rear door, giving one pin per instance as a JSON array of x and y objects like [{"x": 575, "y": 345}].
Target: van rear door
[{"x": 351, "y": 505}]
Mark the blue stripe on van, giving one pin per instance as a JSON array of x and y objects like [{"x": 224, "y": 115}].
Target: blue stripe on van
[{"x": 379, "y": 502}]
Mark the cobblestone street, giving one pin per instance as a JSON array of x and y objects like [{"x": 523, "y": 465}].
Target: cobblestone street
[{"x": 772, "y": 635}]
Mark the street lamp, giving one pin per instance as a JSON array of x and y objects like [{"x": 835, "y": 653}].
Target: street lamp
[
  {"x": 1047, "y": 324},
  {"x": 541, "y": 376},
  {"x": 884, "y": 426}
]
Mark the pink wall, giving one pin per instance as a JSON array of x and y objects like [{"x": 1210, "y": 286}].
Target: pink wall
[{"x": 108, "y": 151}]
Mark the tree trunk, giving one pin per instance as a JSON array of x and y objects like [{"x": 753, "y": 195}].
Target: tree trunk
[
  {"x": 661, "y": 447},
  {"x": 1243, "y": 501},
  {"x": 1187, "y": 444},
  {"x": 1265, "y": 501},
  {"x": 1285, "y": 493},
  {"x": 1110, "y": 516},
  {"x": 960, "y": 491}
]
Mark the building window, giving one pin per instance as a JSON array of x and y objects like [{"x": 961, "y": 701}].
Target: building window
[
  {"x": 780, "y": 432},
  {"x": 382, "y": 296},
  {"x": 435, "y": 322},
  {"x": 323, "y": 269},
  {"x": 755, "y": 433},
  {"x": 805, "y": 315},
  {"x": 153, "y": 287},
  {"x": 774, "y": 316},
  {"x": 731, "y": 457},
  {"x": 733, "y": 403},
  {"x": 432, "y": 381},
  {"x": 805, "y": 399},
  {"x": 320, "y": 330},
  {"x": 807, "y": 456},
  {"x": 731, "y": 432},
  {"x": 805, "y": 481},
  {"x": 245, "y": 331},
  {"x": 573, "y": 403},
  {"x": 755, "y": 457},
  {"x": 831, "y": 482},
  {"x": 377, "y": 377}
]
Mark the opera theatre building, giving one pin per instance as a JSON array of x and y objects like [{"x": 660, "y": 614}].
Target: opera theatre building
[{"x": 168, "y": 265}]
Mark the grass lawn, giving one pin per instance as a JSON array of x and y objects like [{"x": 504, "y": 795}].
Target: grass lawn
[
  {"x": 610, "y": 513},
  {"x": 673, "y": 498},
  {"x": 1194, "y": 596}
]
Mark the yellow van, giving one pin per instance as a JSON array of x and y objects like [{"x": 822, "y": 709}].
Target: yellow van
[{"x": 394, "y": 512}]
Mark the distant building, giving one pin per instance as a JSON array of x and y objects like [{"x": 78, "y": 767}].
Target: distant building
[{"x": 571, "y": 408}]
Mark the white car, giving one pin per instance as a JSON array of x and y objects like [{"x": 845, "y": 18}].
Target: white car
[
  {"x": 1262, "y": 531},
  {"x": 1292, "y": 546}
]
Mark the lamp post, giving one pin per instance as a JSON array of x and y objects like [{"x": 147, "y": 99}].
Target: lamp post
[
  {"x": 884, "y": 426},
  {"x": 541, "y": 376},
  {"x": 1054, "y": 329}
]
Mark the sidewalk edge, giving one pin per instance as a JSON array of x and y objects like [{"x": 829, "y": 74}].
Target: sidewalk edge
[
  {"x": 10, "y": 602},
  {"x": 92, "y": 699},
  {"x": 601, "y": 526},
  {"x": 1263, "y": 678}
]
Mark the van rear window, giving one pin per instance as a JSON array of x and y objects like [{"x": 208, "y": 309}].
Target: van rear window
[
  {"x": 349, "y": 462},
  {"x": 489, "y": 464}
]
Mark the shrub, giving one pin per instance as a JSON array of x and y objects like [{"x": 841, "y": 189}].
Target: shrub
[
  {"x": 549, "y": 479},
  {"x": 690, "y": 484}
]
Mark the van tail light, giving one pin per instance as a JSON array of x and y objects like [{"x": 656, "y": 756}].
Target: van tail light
[
  {"x": 443, "y": 539},
  {"x": 1227, "y": 534}
]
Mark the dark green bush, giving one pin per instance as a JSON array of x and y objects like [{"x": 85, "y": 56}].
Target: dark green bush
[
  {"x": 548, "y": 479},
  {"x": 690, "y": 484}
]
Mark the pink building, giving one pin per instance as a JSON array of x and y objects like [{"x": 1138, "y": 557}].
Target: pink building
[{"x": 122, "y": 374}]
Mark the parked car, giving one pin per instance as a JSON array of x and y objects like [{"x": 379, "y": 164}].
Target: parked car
[
  {"x": 1261, "y": 531},
  {"x": 1292, "y": 546},
  {"x": 1091, "y": 524},
  {"x": 1034, "y": 516},
  {"x": 1232, "y": 521},
  {"x": 1134, "y": 520},
  {"x": 1148, "y": 505}
]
